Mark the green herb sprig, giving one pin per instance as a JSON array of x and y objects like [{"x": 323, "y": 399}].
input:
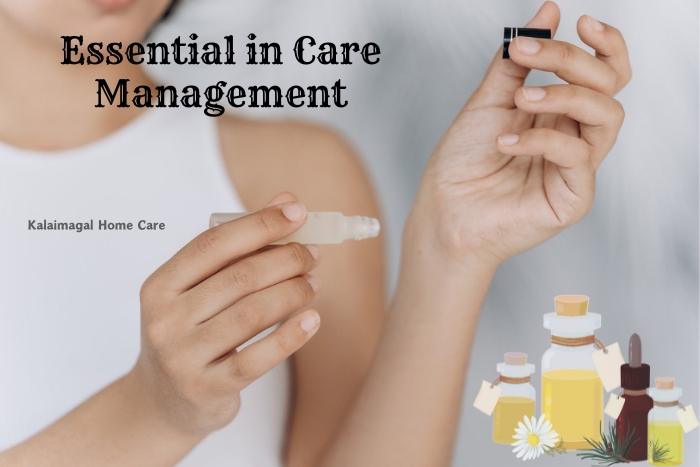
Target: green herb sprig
[
  {"x": 558, "y": 449},
  {"x": 660, "y": 453},
  {"x": 610, "y": 449}
]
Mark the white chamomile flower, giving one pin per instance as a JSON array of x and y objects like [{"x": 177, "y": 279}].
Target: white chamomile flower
[{"x": 534, "y": 437}]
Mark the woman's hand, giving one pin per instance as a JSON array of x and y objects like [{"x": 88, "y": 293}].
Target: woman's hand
[
  {"x": 518, "y": 164},
  {"x": 216, "y": 293}
]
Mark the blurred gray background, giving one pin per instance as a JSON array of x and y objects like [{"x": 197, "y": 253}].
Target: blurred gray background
[{"x": 635, "y": 255}]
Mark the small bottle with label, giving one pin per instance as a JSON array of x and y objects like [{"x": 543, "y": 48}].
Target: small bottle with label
[
  {"x": 665, "y": 444},
  {"x": 635, "y": 378},
  {"x": 517, "y": 398},
  {"x": 572, "y": 391}
]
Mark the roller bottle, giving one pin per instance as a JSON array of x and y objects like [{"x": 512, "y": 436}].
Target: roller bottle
[{"x": 320, "y": 227}]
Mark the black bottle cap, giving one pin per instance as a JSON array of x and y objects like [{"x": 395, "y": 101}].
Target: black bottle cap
[
  {"x": 635, "y": 378},
  {"x": 511, "y": 33}
]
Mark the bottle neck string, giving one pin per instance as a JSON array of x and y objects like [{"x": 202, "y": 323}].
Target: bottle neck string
[
  {"x": 634, "y": 392},
  {"x": 573, "y": 341},
  {"x": 669, "y": 404},
  {"x": 509, "y": 380}
]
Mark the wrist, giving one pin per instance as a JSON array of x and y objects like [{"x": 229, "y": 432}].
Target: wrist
[
  {"x": 430, "y": 243},
  {"x": 439, "y": 294},
  {"x": 144, "y": 401}
]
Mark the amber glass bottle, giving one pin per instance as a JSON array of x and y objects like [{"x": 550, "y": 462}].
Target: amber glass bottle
[{"x": 635, "y": 380}]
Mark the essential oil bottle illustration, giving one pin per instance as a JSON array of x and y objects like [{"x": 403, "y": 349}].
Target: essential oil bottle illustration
[
  {"x": 517, "y": 397},
  {"x": 635, "y": 379},
  {"x": 665, "y": 443},
  {"x": 572, "y": 392}
]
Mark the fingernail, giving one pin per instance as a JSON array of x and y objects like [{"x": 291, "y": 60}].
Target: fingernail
[
  {"x": 309, "y": 323},
  {"x": 313, "y": 282},
  {"x": 533, "y": 94},
  {"x": 527, "y": 46},
  {"x": 595, "y": 24},
  {"x": 508, "y": 139},
  {"x": 294, "y": 211},
  {"x": 315, "y": 252}
]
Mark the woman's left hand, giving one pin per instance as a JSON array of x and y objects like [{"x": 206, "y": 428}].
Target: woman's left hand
[{"x": 518, "y": 164}]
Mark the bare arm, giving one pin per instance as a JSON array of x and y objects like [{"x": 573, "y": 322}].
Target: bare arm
[
  {"x": 516, "y": 167},
  {"x": 408, "y": 410},
  {"x": 112, "y": 428}
]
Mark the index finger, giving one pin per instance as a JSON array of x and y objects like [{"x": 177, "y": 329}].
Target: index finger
[
  {"x": 215, "y": 248},
  {"x": 504, "y": 77}
]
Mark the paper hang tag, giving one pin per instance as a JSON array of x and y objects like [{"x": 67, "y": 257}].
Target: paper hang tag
[
  {"x": 687, "y": 417},
  {"x": 608, "y": 365},
  {"x": 487, "y": 398},
  {"x": 614, "y": 406}
]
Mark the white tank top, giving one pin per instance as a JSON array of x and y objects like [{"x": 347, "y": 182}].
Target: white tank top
[{"x": 69, "y": 305}]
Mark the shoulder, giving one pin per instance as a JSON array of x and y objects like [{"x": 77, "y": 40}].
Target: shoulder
[{"x": 314, "y": 163}]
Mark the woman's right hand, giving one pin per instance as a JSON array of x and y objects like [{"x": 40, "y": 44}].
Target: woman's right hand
[{"x": 220, "y": 290}]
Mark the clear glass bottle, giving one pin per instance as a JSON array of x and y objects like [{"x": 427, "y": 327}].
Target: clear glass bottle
[
  {"x": 572, "y": 392},
  {"x": 665, "y": 443},
  {"x": 517, "y": 398},
  {"x": 320, "y": 227}
]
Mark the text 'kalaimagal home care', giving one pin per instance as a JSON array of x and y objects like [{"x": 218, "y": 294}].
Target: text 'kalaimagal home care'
[{"x": 306, "y": 52}]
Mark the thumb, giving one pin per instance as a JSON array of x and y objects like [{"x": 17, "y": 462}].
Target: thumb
[{"x": 504, "y": 77}]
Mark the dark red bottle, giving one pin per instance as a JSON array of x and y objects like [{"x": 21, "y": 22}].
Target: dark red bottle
[{"x": 635, "y": 378}]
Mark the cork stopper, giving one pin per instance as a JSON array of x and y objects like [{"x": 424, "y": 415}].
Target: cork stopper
[
  {"x": 665, "y": 383},
  {"x": 571, "y": 305},
  {"x": 515, "y": 358}
]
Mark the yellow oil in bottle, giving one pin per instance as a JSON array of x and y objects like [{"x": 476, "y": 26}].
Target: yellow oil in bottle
[
  {"x": 572, "y": 400},
  {"x": 508, "y": 412},
  {"x": 667, "y": 434}
]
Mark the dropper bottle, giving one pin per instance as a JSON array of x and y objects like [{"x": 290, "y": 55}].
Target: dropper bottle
[
  {"x": 320, "y": 227},
  {"x": 635, "y": 378}
]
